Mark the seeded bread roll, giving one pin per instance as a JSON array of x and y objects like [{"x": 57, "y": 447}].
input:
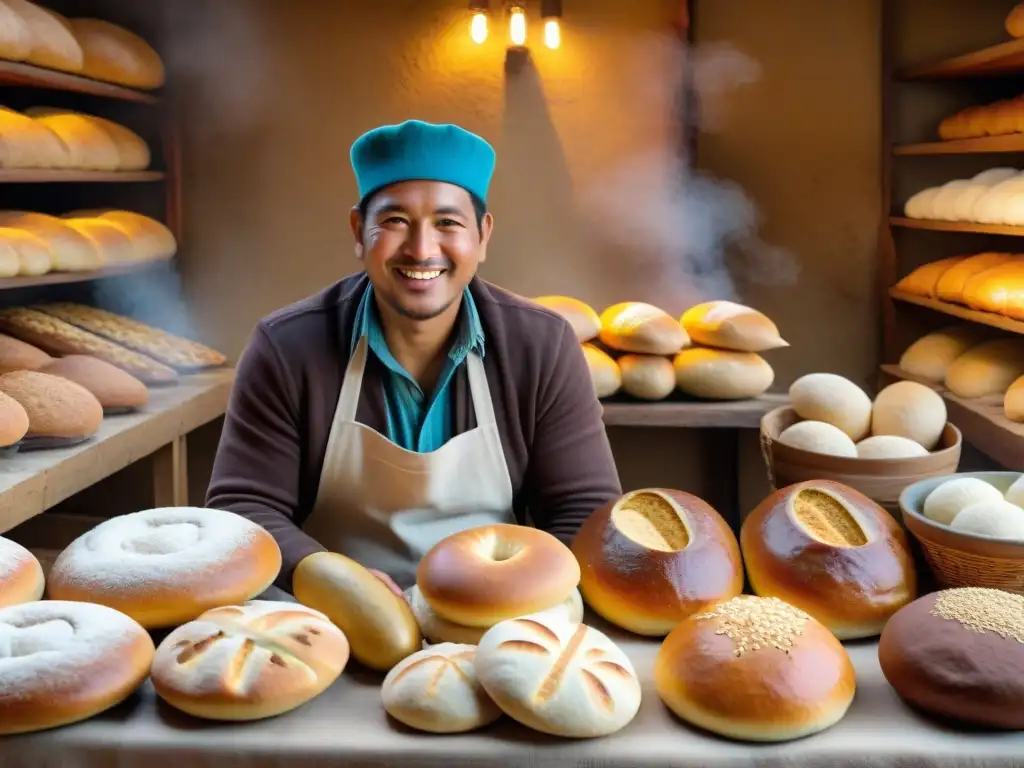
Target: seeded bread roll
[
  {"x": 755, "y": 669},
  {"x": 633, "y": 326},
  {"x": 16, "y": 355},
  {"x": 831, "y": 551},
  {"x": 959, "y": 654},
  {"x": 21, "y": 575},
  {"x": 727, "y": 325},
  {"x": 655, "y": 556},
  {"x": 604, "y": 371},
  {"x": 55, "y": 406},
  {"x": 115, "y": 389},
  {"x": 716, "y": 374},
  {"x": 585, "y": 322},
  {"x": 647, "y": 377},
  {"x": 13, "y": 421}
]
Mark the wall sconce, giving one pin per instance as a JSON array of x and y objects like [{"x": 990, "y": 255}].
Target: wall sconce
[
  {"x": 478, "y": 24},
  {"x": 551, "y": 13},
  {"x": 517, "y": 24}
]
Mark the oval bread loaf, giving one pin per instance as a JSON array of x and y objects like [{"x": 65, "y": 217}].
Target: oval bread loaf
[
  {"x": 585, "y": 322},
  {"x": 931, "y": 355},
  {"x": 951, "y": 285},
  {"x": 13, "y": 420},
  {"x": 647, "y": 377},
  {"x": 379, "y": 625},
  {"x": 71, "y": 250},
  {"x": 604, "y": 371},
  {"x": 832, "y": 399},
  {"x": 727, "y": 325},
  {"x": 633, "y": 326},
  {"x": 53, "y": 44},
  {"x": 720, "y": 375},
  {"x": 117, "y": 55},
  {"x": 986, "y": 369}
]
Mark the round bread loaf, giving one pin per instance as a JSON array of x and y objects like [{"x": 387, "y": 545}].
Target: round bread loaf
[
  {"x": 55, "y": 406},
  {"x": 13, "y": 421},
  {"x": 727, "y": 325},
  {"x": 484, "y": 575},
  {"x": 997, "y": 519},
  {"x": 16, "y": 355},
  {"x": 831, "y": 551},
  {"x": 755, "y": 669},
  {"x": 604, "y": 371},
  {"x": 558, "y": 677},
  {"x": 834, "y": 400},
  {"x": 959, "y": 654},
  {"x": 166, "y": 566},
  {"x": 249, "y": 662},
  {"x": 655, "y": 556},
  {"x": 715, "y": 374},
  {"x": 21, "y": 575},
  {"x": 436, "y": 690},
  {"x": 64, "y": 662},
  {"x": 946, "y": 501},
  {"x": 633, "y": 326},
  {"x": 114, "y": 388},
  {"x": 438, "y": 630},
  {"x": 585, "y": 322},
  {"x": 911, "y": 410},
  {"x": 1015, "y": 493},
  {"x": 647, "y": 377}
]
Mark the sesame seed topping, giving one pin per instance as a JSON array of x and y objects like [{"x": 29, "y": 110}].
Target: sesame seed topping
[
  {"x": 758, "y": 623},
  {"x": 983, "y": 610}
]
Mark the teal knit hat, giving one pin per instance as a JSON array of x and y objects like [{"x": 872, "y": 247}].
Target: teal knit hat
[{"x": 415, "y": 150}]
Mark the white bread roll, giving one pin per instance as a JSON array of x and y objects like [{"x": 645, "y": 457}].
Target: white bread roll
[
  {"x": 249, "y": 662},
  {"x": 647, "y": 377},
  {"x": 90, "y": 148},
  {"x": 35, "y": 257},
  {"x": 889, "y": 447},
  {"x": 994, "y": 176},
  {"x": 727, "y": 325},
  {"x": 633, "y": 326},
  {"x": 558, "y": 677},
  {"x": 993, "y": 206},
  {"x": 1015, "y": 494},
  {"x": 379, "y": 624},
  {"x": 71, "y": 250},
  {"x": 834, "y": 400},
  {"x": 944, "y": 203},
  {"x": 921, "y": 205},
  {"x": 108, "y": 238},
  {"x": 25, "y": 143},
  {"x": 15, "y": 36},
  {"x": 986, "y": 369},
  {"x": 999, "y": 519},
  {"x": 1013, "y": 403},
  {"x": 818, "y": 437},
  {"x": 436, "y": 690},
  {"x": 911, "y": 410},
  {"x": 53, "y": 44},
  {"x": 930, "y": 356},
  {"x": 585, "y": 322},
  {"x": 21, "y": 575},
  {"x": 604, "y": 371},
  {"x": 716, "y": 374},
  {"x": 962, "y": 208},
  {"x": 116, "y": 55},
  {"x": 946, "y": 501},
  {"x": 152, "y": 239}
]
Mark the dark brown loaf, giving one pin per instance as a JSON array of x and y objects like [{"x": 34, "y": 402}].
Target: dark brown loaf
[
  {"x": 113, "y": 387},
  {"x": 55, "y": 406}
]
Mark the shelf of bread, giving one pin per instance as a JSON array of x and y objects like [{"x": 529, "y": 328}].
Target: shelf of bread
[
  {"x": 989, "y": 202},
  {"x": 967, "y": 146},
  {"x": 81, "y": 276},
  {"x": 58, "y": 176},
  {"x": 40, "y": 47},
  {"x": 957, "y": 226},
  {"x": 1006, "y": 58},
  {"x": 954, "y": 310}
]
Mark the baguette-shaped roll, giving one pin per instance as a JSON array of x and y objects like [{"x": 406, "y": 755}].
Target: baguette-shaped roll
[
  {"x": 132, "y": 150},
  {"x": 91, "y": 149},
  {"x": 379, "y": 625},
  {"x": 647, "y": 377},
  {"x": 35, "y": 256},
  {"x": 727, "y": 325},
  {"x": 116, "y": 55},
  {"x": 999, "y": 289},
  {"x": 633, "y": 326},
  {"x": 1015, "y": 21},
  {"x": 951, "y": 285},
  {"x": 1013, "y": 403},
  {"x": 930, "y": 356},
  {"x": 151, "y": 238},
  {"x": 72, "y": 251},
  {"x": 604, "y": 371},
  {"x": 719, "y": 375},
  {"x": 53, "y": 44},
  {"x": 585, "y": 322},
  {"x": 110, "y": 240},
  {"x": 987, "y": 369},
  {"x": 25, "y": 143},
  {"x": 924, "y": 280}
]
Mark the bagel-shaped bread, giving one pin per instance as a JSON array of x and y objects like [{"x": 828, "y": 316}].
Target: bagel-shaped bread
[
  {"x": 487, "y": 574},
  {"x": 21, "y": 575},
  {"x": 633, "y": 326},
  {"x": 56, "y": 407},
  {"x": 66, "y": 662},
  {"x": 755, "y": 669},
  {"x": 13, "y": 421},
  {"x": 166, "y": 566},
  {"x": 585, "y": 322},
  {"x": 653, "y": 557},
  {"x": 114, "y": 388},
  {"x": 436, "y": 690},
  {"x": 959, "y": 654},
  {"x": 438, "y": 630},
  {"x": 249, "y": 662},
  {"x": 831, "y": 551}
]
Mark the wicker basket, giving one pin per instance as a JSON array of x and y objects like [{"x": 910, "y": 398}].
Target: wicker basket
[
  {"x": 882, "y": 480},
  {"x": 963, "y": 559}
]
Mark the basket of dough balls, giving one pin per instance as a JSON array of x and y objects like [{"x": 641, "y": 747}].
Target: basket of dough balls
[
  {"x": 833, "y": 430},
  {"x": 971, "y": 528}
]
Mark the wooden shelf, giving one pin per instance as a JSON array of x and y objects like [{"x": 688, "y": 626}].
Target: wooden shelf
[
  {"x": 16, "y": 73},
  {"x": 982, "y": 423},
  {"x": 955, "y": 310},
  {"x": 1002, "y": 59},
  {"x": 1013, "y": 142},
  {"x": 60, "y": 278},
  {"x": 704, "y": 414},
  {"x": 957, "y": 226},
  {"x": 46, "y": 176},
  {"x": 35, "y": 481}
]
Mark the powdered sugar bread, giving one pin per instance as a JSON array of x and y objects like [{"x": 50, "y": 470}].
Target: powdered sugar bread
[
  {"x": 168, "y": 565},
  {"x": 63, "y": 662},
  {"x": 21, "y": 575},
  {"x": 249, "y": 662}
]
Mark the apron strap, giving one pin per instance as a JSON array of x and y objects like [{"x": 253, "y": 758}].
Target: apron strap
[
  {"x": 479, "y": 391},
  {"x": 352, "y": 384}
]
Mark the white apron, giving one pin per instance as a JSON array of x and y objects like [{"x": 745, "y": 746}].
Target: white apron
[{"x": 384, "y": 506}]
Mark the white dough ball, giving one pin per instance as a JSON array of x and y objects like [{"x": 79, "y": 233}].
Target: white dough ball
[
  {"x": 1016, "y": 493},
  {"x": 944, "y": 503},
  {"x": 911, "y": 410},
  {"x": 834, "y": 400},
  {"x": 889, "y": 447},
  {"x": 999, "y": 519},
  {"x": 819, "y": 437}
]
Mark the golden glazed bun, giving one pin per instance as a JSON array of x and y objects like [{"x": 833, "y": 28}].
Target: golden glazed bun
[
  {"x": 654, "y": 557},
  {"x": 151, "y": 238},
  {"x": 484, "y": 575},
  {"x": 90, "y": 147},
  {"x": 53, "y": 44},
  {"x": 166, "y": 566},
  {"x": 647, "y": 377},
  {"x": 831, "y": 551},
  {"x": 55, "y": 406},
  {"x": 115, "y": 389},
  {"x": 604, "y": 371},
  {"x": 30, "y": 144},
  {"x": 379, "y": 625},
  {"x": 21, "y": 575},
  {"x": 931, "y": 355},
  {"x": 633, "y": 326},
  {"x": 249, "y": 662},
  {"x": 436, "y": 690},
  {"x": 727, "y": 325},
  {"x": 924, "y": 280},
  {"x": 13, "y": 421},
  {"x": 950, "y": 286},
  {"x": 73, "y": 661},
  {"x": 755, "y": 669},
  {"x": 585, "y": 322},
  {"x": 959, "y": 654},
  {"x": 715, "y": 374},
  {"x": 116, "y": 55}
]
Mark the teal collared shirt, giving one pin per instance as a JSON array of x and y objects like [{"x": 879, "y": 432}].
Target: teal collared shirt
[{"x": 418, "y": 421}]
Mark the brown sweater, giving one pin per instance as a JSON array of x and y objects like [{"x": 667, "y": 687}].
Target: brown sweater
[{"x": 289, "y": 378}]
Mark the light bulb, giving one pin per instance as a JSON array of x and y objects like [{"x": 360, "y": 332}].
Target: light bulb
[
  {"x": 517, "y": 25},
  {"x": 552, "y": 34},
  {"x": 478, "y": 27}
]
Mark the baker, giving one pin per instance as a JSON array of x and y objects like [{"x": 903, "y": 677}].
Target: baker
[{"x": 412, "y": 400}]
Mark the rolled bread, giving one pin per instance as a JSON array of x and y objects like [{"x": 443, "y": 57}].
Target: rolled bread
[
  {"x": 931, "y": 355},
  {"x": 14, "y": 421},
  {"x": 647, "y": 377},
  {"x": 71, "y": 250},
  {"x": 56, "y": 407},
  {"x": 53, "y": 44},
  {"x": 1013, "y": 403},
  {"x": 436, "y": 690},
  {"x": 727, "y": 325},
  {"x": 558, "y": 677},
  {"x": 987, "y": 369},
  {"x": 604, "y": 371},
  {"x": 924, "y": 280},
  {"x": 716, "y": 374},
  {"x": 117, "y": 55},
  {"x": 21, "y": 574},
  {"x": 250, "y": 661},
  {"x": 115, "y": 389},
  {"x": 633, "y": 326},
  {"x": 585, "y": 322},
  {"x": 16, "y": 355}
]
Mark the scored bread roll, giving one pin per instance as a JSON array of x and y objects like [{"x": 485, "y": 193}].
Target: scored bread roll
[
  {"x": 931, "y": 355},
  {"x": 166, "y": 566},
  {"x": 71, "y": 250},
  {"x": 911, "y": 410},
  {"x": 90, "y": 148},
  {"x": 249, "y": 662},
  {"x": 116, "y": 55},
  {"x": 53, "y": 44},
  {"x": 832, "y": 399},
  {"x": 755, "y": 669},
  {"x": 831, "y": 551},
  {"x": 35, "y": 257},
  {"x": 56, "y": 407},
  {"x": 1013, "y": 403},
  {"x": 950, "y": 286},
  {"x": 16, "y": 355},
  {"x": 585, "y": 322},
  {"x": 486, "y": 574},
  {"x": 924, "y": 280},
  {"x": 558, "y": 677},
  {"x": 647, "y": 377},
  {"x": 152, "y": 238},
  {"x": 27, "y": 143},
  {"x": 655, "y": 556},
  {"x": 604, "y": 371},
  {"x": 21, "y": 575},
  {"x": 110, "y": 240},
  {"x": 727, "y": 325},
  {"x": 115, "y": 389},
  {"x": 715, "y": 374},
  {"x": 13, "y": 421},
  {"x": 986, "y": 369},
  {"x": 436, "y": 690},
  {"x": 633, "y": 326},
  {"x": 379, "y": 625}
]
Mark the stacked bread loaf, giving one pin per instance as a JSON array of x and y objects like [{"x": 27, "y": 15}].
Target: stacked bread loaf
[
  {"x": 92, "y": 48},
  {"x": 711, "y": 352},
  {"x": 990, "y": 197}
]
